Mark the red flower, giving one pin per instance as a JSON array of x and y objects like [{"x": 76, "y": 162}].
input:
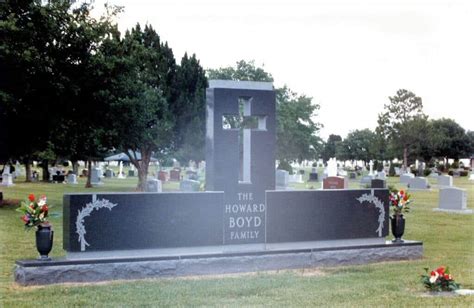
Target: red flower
[
  {"x": 44, "y": 208},
  {"x": 402, "y": 192},
  {"x": 440, "y": 271},
  {"x": 448, "y": 277},
  {"x": 25, "y": 218},
  {"x": 31, "y": 197},
  {"x": 405, "y": 198}
]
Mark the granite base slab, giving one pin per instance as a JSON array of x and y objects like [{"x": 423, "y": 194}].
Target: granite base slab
[
  {"x": 466, "y": 211},
  {"x": 34, "y": 272}
]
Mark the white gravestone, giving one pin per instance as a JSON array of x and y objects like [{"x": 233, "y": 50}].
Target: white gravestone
[
  {"x": 371, "y": 165},
  {"x": 382, "y": 175},
  {"x": 332, "y": 167},
  {"x": 71, "y": 178},
  {"x": 405, "y": 178},
  {"x": 153, "y": 185},
  {"x": 295, "y": 178},
  {"x": 418, "y": 183},
  {"x": 445, "y": 180},
  {"x": 452, "y": 199},
  {"x": 95, "y": 176},
  {"x": 7, "y": 177},
  {"x": 121, "y": 175},
  {"x": 17, "y": 169},
  {"x": 282, "y": 179}
]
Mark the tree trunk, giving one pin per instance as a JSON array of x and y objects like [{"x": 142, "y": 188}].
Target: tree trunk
[
  {"x": 45, "y": 170},
  {"x": 89, "y": 171},
  {"x": 27, "y": 170},
  {"x": 142, "y": 169},
  {"x": 75, "y": 167},
  {"x": 405, "y": 158}
]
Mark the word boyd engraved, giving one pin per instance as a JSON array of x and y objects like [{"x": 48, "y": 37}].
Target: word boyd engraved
[{"x": 245, "y": 217}]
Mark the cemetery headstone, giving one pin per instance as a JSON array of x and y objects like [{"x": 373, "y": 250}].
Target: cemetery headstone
[
  {"x": 405, "y": 178},
  {"x": 121, "y": 174},
  {"x": 189, "y": 185},
  {"x": 366, "y": 181},
  {"x": 332, "y": 167},
  {"x": 95, "y": 176},
  {"x": 445, "y": 180},
  {"x": 352, "y": 175},
  {"x": 163, "y": 176},
  {"x": 175, "y": 175},
  {"x": 7, "y": 177},
  {"x": 382, "y": 175},
  {"x": 71, "y": 178},
  {"x": 282, "y": 179},
  {"x": 397, "y": 170},
  {"x": 371, "y": 165},
  {"x": 378, "y": 183},
  {"x": 131, "y": 172},
  {"x": 191, "y": 175},
  {"x": 313, "y": 176},
  {"x": 295, "y": 178},
  {"x": 153, "y": 185},
  {"x": 335, "y": 182},
  {"x": 17, "y": 169},
  {"x": 240, "y": 154},
  {"x": 418, "y": 183},
  {"x": 109, "y": 173},
  {"x": 453, "y": 199}
]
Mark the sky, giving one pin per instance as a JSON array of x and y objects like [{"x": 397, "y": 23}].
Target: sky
[{"x": 349, "y": 56}]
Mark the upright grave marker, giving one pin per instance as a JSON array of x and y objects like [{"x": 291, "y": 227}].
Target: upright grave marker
[{"x": 240, "y": 154}]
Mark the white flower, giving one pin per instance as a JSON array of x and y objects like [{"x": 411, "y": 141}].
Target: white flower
[
  {"x": 434, "y": 277},
  {"x": 42, "y": 201}
]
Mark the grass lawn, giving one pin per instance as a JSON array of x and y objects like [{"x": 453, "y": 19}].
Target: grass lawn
[{"x": 448, "y": 240}]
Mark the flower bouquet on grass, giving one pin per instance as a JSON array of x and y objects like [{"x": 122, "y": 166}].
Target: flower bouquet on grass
[
  {"x": 439, "y": 280},
  {"x": 35, "y": 212}
]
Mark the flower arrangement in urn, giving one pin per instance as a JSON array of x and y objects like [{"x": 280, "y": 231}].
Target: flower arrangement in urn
[
  {"x": 399, "y": 201},
  {"x": 439, "y": 280},
  {"x": 34, "y": 212}
]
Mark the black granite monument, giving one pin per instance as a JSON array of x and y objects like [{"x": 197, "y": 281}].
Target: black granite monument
[{"x": 240, "y": 154}]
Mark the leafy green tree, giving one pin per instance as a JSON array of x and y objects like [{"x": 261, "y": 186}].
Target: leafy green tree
[
  {"x": 297, "y": 138},
  {"x": 330, "y": 147},
  {"x": 49, "y": 53},
  {"x": 405, "y": 106},
  {"x": 297, "y": 131},
  {"x": 243, "y": 71},
  {"x": 190, "y": 110},
  {"x": 450, "y": 139},
  {"x": 358, "y": 145},
  {"x": 141, "y": 95}
]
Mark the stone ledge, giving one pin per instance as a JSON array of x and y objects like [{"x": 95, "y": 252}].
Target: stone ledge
[
  {"x": 32, "y": 272},
  {"x": 466, "y": 211}
]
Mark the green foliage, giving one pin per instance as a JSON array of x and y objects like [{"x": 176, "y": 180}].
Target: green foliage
[
  {"x": 297, "y": 137},
  {"x": 358, "y": 145},
  {"x": 243, "y": 70},
  {"x": 330, "y": 147},
  {"x": 401, "y": 122},
  {"x": 284, "y": 165},
  {"x": 189, "y": 111},
  {"x": 450, "y": 140}
]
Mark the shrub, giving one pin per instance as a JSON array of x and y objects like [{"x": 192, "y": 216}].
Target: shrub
[
  {"x": 455, "y": 165},
  {"x": 315, "y": 164},
  {"x": 426, "y": 172},
  {"x": 463, "y": 173}
]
